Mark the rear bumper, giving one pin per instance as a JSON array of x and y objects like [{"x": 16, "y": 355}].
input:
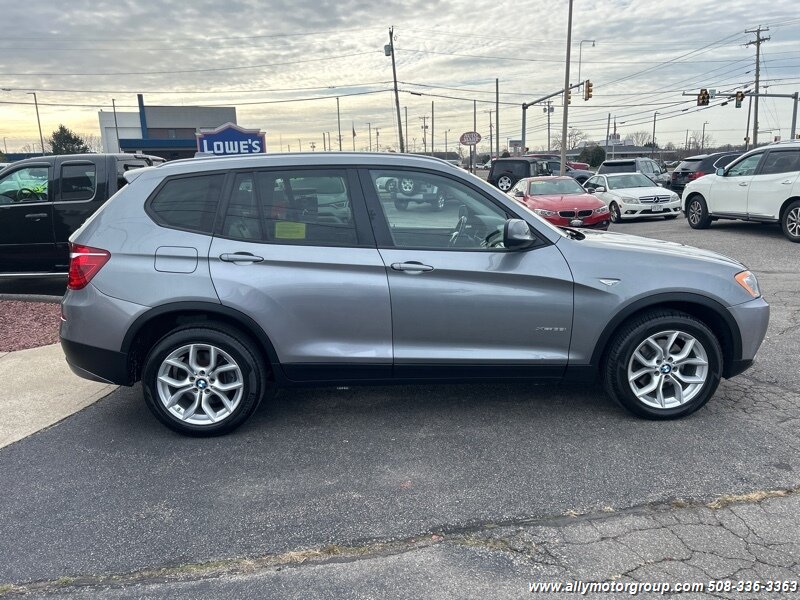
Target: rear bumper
[{"x": 97, "y": 364}]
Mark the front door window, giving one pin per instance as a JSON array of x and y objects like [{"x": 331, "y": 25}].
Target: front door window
[{"x": 24, "y": 185}]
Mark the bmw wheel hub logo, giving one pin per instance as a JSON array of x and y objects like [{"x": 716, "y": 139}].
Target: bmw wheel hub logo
[
  {"x": 666, "y": 369},
  {"x": 202, "y": 384}
]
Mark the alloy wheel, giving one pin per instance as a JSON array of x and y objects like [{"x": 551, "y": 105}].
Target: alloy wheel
[
  {"x": 695, "y": 212},
  {"x": 200, "y": 384},
  {"x": 793, "y": 222},
  {"x": 668, "y": 369},
  {"x": 504, "y": 183},
  {"x": 406, "y": 186}
]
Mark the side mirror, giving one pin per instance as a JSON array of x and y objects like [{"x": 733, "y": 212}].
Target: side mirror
[
  {"x": 519, "y": 194},
  {"x": 599, "y": 188},
  {"x": 517, "y": 235},
  {"x": 721, "y": 172}
]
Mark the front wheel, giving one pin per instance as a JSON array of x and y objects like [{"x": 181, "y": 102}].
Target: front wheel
[
  {"x": 790, "y": 221},
  {"x": 664, "y": 364},
  {"x": 613, "y": 210},
  {"x": 697, "y": 213},
  {"x": 202, "y": 381}
]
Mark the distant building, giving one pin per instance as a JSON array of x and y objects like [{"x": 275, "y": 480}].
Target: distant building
[{"x": 166, "y": 131}]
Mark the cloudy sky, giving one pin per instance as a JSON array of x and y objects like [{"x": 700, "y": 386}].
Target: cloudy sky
[{"x": 263, "y": 56}]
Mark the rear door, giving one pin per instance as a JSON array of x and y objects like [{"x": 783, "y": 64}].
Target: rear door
[
  {"x": 773, "y": 183},
  {"x": 26, "y": 219},
  {"x": 81, "y": 188},
  {"x": 462, "y": 305},
  {"x": 729, "y": 193},
  {"x": 293, "y": 249}
]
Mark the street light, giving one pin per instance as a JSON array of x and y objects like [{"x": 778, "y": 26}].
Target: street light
[
  {"x": 38, "y": 120},
  {"x": 580, "y": 49},
  {"x": 703, "y": 139}
]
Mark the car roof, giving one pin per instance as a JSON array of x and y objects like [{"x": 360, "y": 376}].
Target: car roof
[
  {"x": 621, "y": 175},
  {"x": 549, "y": 178},
  {"x": 620, "y": 161},
  {"x": 294, "y": 159}
]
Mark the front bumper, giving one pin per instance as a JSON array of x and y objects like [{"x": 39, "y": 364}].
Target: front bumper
[
  {"x": 661, "y": 209},
  {"x": 752, "y": 317},
  {"x": 591, "y": 222}
]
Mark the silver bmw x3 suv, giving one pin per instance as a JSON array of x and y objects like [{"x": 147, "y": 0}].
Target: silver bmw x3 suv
[{"x": 212, "y": 280}]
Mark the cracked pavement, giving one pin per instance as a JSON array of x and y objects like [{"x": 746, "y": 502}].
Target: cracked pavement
[{"x": 430, "y": 491}]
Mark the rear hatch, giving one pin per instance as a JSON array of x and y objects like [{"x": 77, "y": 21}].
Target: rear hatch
[
  {"x": 687, "y": 171},
  {"x": 618, "y": 166}
]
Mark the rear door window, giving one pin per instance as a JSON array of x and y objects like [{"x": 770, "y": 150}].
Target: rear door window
[
  {"x": 724, "y": 161},
  {"x": 188, "y": 203},
  {"x": 781, "y": 161},
  {"x": 78, "y": 181}
]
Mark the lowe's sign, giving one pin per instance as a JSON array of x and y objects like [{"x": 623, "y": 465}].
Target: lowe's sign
[{"x": 231, "y": 139}]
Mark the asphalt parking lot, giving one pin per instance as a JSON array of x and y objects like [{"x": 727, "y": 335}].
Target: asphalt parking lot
[{"x": 109, "y": 491}]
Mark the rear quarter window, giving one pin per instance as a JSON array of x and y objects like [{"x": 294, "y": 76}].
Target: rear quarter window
[
  {"x": 188, "y": 203},
  {"x": 626, "y": 167}
]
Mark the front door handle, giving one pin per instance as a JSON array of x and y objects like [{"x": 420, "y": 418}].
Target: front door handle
[
  {"x": 36, "y": 216},
  {"x": 743, "y": 184},
  {"x": 411, "y": 266},
  {"x": 787, "y": 182},
  {"x": 240, "y": 257}
]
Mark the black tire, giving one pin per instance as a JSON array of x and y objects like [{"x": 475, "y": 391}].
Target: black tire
[
  {"x": 239, "y": 348},
  {"x": 614, "y": 214},
  {"x": 670, "y": 217},
  {"x": 697, "y": 213},
  {"x": 407, "y": 186},
  {"x": 400, "y": 204},
  {"x": 632, "y": 334},
  {"x": 790, "y": 221},
  {"x": 506, "y": 181}
]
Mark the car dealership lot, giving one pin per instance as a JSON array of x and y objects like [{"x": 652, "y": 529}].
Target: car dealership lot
[{"x": 110, "y": 491}]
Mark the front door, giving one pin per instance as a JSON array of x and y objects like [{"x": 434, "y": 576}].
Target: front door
[
  {"x": 26, "y": 220},
  {"x": 462, "y": 305},
  {"x": 774, "y": 182},
  {"x": 729, "y": 193},
  {"x": 294, "y": 251}
]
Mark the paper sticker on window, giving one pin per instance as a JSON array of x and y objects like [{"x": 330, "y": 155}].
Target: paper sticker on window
[{"x": 289, "y": 230}]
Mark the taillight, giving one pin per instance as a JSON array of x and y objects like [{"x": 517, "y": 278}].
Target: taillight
[
  {"x": 697, "y": 175},
  {"x": 84, "y": 263}
]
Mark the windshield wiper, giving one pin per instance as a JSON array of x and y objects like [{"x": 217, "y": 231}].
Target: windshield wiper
[{"x": 573, "y": 233}]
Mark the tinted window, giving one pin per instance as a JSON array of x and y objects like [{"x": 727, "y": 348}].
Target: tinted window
[
  {"x": 468, "y": 220},
  {"x": 689, "y": 165},
  {"x": 518, "y": 168},
  {"x": 188, "y": 202},
  {"x": 619, "y": 167},
  {"x": 724, "y": 161},
  {"x": 291, "y": 207},
  {"x": 78, "y": 181},
  {"x": 127, "y": 165},
  {"x": 24, "y": 185},
  {"x": 783, "y": 161}
]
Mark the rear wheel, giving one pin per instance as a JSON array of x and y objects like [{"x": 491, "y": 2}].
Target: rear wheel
[
  {"x": 202, "y": 381},
  {"x": 664, "y": 364},
  {"x": 505, "y": 183},
  {"x": 407, "y": 186},
  {"x": 790, "y": 221},
  {"x": 440, "y": 201},
  {"x": 697, "y": 213}
]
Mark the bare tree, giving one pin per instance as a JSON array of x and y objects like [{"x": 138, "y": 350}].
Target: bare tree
[
  {"x": 640, "y": 138},
  {"x": 696, "y": 140},
  {"x": 574, "y": 137},
  {"x": 93, "y": 142}
]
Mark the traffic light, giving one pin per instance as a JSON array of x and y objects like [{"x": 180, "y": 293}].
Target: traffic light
[
  {"x": 569, "y": 96},
  {"x": 587, "y": 89},
  {"x": 703, "y": 97},
  {"x": 739, "y": 98}
]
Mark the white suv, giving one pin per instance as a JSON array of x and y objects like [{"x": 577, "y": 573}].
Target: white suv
[{"x": 762, "y": 185}]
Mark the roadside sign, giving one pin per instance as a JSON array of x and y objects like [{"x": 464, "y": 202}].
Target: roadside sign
[
  {"x": 231, "y": 139},
  {"x": 470, "y": 138}
]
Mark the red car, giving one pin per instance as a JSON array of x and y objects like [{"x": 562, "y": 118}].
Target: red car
[{"x": 561, "y": 201}]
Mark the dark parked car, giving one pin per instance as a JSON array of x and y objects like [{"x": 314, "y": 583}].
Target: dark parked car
[
  {"x": 695, "y": 167},
  {"x": 44, "y": 199},
  {"x": 645, "y": 166},
  {"x": 506, "y": 172}
]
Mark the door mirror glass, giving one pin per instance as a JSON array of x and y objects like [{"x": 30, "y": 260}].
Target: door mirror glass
[
  {"x": 517, "y": 235},
  {"x": 720, "y": 172},
  {"x": 519, "y": 194},
  {"x": 600, "y": 188}
]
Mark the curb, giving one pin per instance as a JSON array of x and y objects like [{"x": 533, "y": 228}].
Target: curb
[{"x": 31, "y": 298}]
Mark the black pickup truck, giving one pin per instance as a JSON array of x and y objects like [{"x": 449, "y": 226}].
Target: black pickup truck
[{"x": 43, "y": 200}]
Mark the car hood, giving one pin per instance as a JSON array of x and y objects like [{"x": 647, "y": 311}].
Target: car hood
[
  {"x": 640, "y": 192},
  {"x": 652, "y": 246},
  {"x": 559, "y": 202}
]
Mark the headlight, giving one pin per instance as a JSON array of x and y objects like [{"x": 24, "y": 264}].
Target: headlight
[
  {"x": 601, "y": 211},
  {"x": 629, "y": 200},
  {"x": 749, "y": 282},
  {"x": 673, "y": 198},
  {"x": 544, "y": 213}
]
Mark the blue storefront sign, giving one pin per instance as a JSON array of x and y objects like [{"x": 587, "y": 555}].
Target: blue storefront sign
[{"x": 231, "y": 139}]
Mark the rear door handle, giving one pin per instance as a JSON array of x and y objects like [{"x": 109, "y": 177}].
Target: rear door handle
[
  {"x": 240, "y": 257},
  {"x": 411, "y": 266},
  {"x": 743, "y": 184},
  {"x": 36, "y": 216}
]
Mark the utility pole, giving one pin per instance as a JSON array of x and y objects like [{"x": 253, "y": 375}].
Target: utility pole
[
  {"x": 566, "y": 93},
  {"x": 491, "y": 131},
  {"x": 474, "y": 128},
  {"x": 608, "y": 132},
  {"x": 653, "y": 139},
  {"x": 299, "y": 145},
  {"x": 38, "y": 120},
  {"x": 116, "y": 126},
  {"x": 370, "y": 136},
  {"x": 433, "y": 128},
  {"x": 549, "y": 111},
  {"x": 757, "y": 42},
  {"x": 703, "y": 139},
  {"x": 396, "y": 94},
  {"x": 313, "y": 146},
  {"x": 377, "y": 144},
  {"x": 353, "y": 124},
  {"x": 339, "y": 122},
  {"x": 747, "y": 129},
  {"x": 496, "y": 116},
  {"x": 424, "y": 120},
  {"x": 406, "y": 109}
]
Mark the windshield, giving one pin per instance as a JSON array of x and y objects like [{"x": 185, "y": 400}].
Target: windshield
[
  {"x": 555, "y": 187},
  {"x": 633, "y": 180},
  {"x": 690, "y": 164}
]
